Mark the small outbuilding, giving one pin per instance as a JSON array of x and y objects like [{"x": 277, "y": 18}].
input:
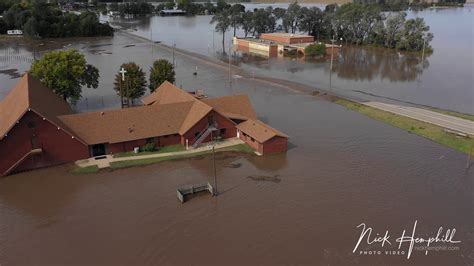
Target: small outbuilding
[{"x": 263, "y": 138}]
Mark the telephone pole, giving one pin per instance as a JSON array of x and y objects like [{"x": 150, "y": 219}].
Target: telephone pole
[{"x": 468, "y": 163}]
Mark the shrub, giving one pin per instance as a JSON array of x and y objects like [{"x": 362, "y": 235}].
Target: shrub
[
  {"x": 315, "y": 49},
  {"x": 149, "y": 147}
]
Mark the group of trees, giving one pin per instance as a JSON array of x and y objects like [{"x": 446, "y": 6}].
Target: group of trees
[
  {"x": 401, "y": 5},
  {"x": 143, "y": 8},
  {"x": 134, "y": 85},
  {"x": 66, "y": 72},
  {"x": 39, "y": 19},
  {"x": 133, "y": 9},
  {"x": 354, "y": 23}
]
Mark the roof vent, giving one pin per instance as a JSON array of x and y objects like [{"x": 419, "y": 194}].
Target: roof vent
[
  {"x": 130, "y": 130},
  {"x": 102, "y": 113}
]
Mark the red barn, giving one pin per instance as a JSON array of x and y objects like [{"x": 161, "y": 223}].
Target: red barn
[{"x": 38, "y": 128}]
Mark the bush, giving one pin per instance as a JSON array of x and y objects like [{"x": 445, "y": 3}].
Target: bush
[
  {"x": 315, "y": 50},
  {"x": 148, "y": 147}
]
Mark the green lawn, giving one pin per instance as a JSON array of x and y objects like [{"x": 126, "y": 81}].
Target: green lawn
[
  {"x": 171, "y": 148},
  {"x": 241, "y": 148},
  {"x": 429, "y": 131},
  {"x": 86, "y": 170}
]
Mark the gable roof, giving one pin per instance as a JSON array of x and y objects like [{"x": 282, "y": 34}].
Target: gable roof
[
  {"x": 235, "y": 106},
  {"x": 259, "y": 130},
  {"x": 29, "y": 93},
  {"x": 121, "y": 125},
  {"x": 168, "y": 93}
]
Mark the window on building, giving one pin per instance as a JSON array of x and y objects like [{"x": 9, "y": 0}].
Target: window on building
[
  {"x": 150, "y": 140},
  {"x": 196, "y": 134},
  {"x": 166, "y": 136},
  {"x": 253, "y": 140},
  {"x": 223, "y": 131}
]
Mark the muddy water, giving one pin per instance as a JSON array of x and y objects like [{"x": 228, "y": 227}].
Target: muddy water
[{"x": 301, "y": 207}]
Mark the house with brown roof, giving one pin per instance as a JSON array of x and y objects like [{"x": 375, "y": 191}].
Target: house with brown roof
[
  {"x": 261, "y": 137},
  {"x": 38, "y": 128}
]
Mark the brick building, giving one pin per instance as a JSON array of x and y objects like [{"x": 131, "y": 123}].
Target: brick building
[{"x": 39, "y": 129}]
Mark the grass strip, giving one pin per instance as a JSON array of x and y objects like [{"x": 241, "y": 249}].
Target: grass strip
[
  {"x": 240, "y": 148},
  {"x": 166, "y": 149},
  {"x": 85, "y": 170}
]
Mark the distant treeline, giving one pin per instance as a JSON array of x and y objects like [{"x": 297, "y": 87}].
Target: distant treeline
[
  {"x": 353, "y": 23},
  {"x": 144, "y": 8},
  {"x": 46, "y": 20},
  {"x": 401, "y": 5}
]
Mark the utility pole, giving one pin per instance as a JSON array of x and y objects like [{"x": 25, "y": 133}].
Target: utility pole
[
  {"x": 215, "y": 170},
  {"x": 423, "y": 51},
  {"x": 230, "y": 72},
  {"x": 128, "y": 93},
  {"x": 332, "y": 59},
  {"x": 468, "y": 163},
  {"x": 174, "y": 46}
]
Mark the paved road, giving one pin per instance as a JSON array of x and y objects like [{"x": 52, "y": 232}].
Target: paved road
[{"x": 435, "y": 118}]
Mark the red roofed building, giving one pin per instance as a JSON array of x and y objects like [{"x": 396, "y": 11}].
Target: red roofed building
[{"x": 39, "y": 129}]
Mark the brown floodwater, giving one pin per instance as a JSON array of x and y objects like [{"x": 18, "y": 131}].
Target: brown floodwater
[{"x": 300, "y": 208}]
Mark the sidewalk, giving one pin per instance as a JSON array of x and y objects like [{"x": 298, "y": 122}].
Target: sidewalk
[{"x": 104, "y": 163}]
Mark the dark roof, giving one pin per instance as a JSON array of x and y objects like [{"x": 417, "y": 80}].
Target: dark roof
[
  {"x": 30, "y": 94},
  {"x": 259, "y": 130}
]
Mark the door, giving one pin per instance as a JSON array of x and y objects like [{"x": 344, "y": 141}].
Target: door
[
  {"x": 98, "y": 150},
  {"x": 210, "y": 120},
  {"x": 34, "y": 142}
]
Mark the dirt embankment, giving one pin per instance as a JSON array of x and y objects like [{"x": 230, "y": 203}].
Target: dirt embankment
[{"x": 307, "y": 1}]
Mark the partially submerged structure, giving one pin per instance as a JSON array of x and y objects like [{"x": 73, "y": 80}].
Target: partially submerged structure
[
  {"x": 38, "y": 128},
  {"x": 278, "y": 43}
]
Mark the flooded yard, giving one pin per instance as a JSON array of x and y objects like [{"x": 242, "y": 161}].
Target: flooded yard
[{"x": 301, "y": 207}]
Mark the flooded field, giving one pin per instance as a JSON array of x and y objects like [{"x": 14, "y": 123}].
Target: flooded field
[
  {"x": 301, "y": 207},
  {"x": 444, "y": 79}
]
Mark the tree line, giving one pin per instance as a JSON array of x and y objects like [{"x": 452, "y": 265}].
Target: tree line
[
  {"x": 191, "y": 8},
  {"x": 401, "y": 5},
  {"x": 66, "y": 72},
  {"x": 39, "y": 19},
  {"x": 353, "y": 23}
]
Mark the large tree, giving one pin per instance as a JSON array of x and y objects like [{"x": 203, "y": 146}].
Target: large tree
[
  {"x": 162, "y": 70},
  {"x": 134, "y": 85},
  {"x": 223, "y": 23},
  {"x": 65, "y": 72}
]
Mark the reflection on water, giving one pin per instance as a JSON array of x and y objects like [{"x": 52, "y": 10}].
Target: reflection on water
[
  {"x": 435, "y": 82},
  {"x": 356, "y": 63}
]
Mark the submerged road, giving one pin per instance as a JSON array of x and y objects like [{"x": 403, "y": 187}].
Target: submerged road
[{"x": 435, "y": 118}]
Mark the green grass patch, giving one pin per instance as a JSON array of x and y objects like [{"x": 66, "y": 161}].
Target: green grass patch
[
  {"x": 85, "y": 170},
  {"x": 453, "y": 113},
  {"x": 429, "y": 131},
  {"x": 171, "y": 148},
  {"x": 241, "y": 148}
]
